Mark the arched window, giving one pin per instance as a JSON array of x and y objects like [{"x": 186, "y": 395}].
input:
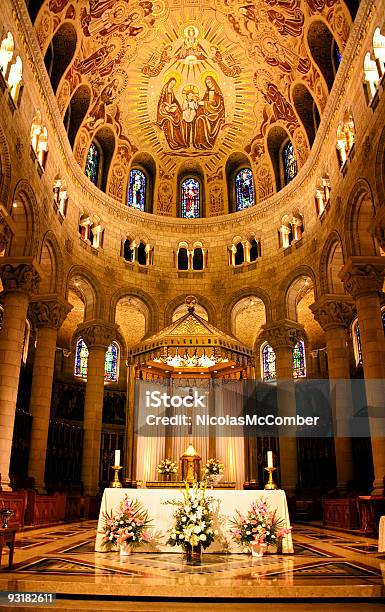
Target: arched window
[
  {"x": 60, "y": 53},
  {"x": 254, "y": 250},
  {"x": 357, "y": 338},
  {"x": 345, "y": 138},
  {"x": 322, "y": 194},
  {"x": 27, "y": 334},
  {"x": 289, "y": 162},
  {"x": 81, "y": 359},
  {"x": 182, "y": 258},
  {"x": 307, "y": 110},
  {"x": 244, "y": 189},
  {"x": 14, "y": 79},
  {"x": 268, "y": 364},
  {"x": 137, "y": 189},
  {"x": 299, "y": 361},
  {"x": 142, "y": 254},
  {"x": 190, "y": 198},
  {"x": 128, "y": 250},
  {"x": 111, "y": 363},
  {"x": 6, "y": 53},
  {"x": 324, "y": 50},
  {"x": 76, "y": 112},
  {"x": 197, "y": 260},
  {"x": 379, "y": 49},
  {"x": 371, "y": 77},
  {"x": 93, "y": 163},
  {"x": 239, "y": 254}
]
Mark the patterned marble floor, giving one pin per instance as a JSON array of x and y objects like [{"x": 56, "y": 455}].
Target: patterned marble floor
[{"x": 325, "y": 564}]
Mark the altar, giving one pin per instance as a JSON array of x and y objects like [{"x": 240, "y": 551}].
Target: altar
[{"x": 225, "y": 504}]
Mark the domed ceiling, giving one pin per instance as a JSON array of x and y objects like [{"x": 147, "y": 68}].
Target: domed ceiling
[{"x": 191, "y": 82}]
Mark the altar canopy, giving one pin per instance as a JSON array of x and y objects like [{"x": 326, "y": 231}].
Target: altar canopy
[
  {"x": 190, "y": 354},
  {"x": 225, "y": 505}
]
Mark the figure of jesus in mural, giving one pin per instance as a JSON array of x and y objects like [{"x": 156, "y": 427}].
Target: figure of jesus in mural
[
  {"x": 196, "y": 123},
  {"x": 189, "y": 111}
]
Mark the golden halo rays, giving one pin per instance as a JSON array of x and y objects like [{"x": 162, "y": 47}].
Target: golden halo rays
[{"x": 209, "y": 73}]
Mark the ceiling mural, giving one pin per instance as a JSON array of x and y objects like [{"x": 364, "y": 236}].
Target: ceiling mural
[{"x": 186, "y": 79}]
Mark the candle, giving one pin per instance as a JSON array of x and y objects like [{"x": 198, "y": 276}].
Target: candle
[
  {"x": 270, "y": 459},
  {"x": 117, "y": 457}
]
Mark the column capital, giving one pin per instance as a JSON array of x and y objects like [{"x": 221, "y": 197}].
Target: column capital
[
  {"x": 333, "y": 310},
  {"x": 98, "y": 333},
  {"x": 49, "y": 310},
  {"x": 282, "y": 334},
  {"x": 20, "y": 274},
  {"x": 363, "y": 275}
]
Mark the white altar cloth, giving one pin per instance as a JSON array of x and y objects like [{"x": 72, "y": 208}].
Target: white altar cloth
[{"x": 225, "y": 504}]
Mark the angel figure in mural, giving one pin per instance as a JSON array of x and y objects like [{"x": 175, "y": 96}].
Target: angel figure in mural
[
  {"x": 98, "y": 113},
  {"x": 93, "y": 61},
  {"x": 169, "y": 116},
  {"x": 191, "y": 50},
  {"x": 102, "y": 17},
  {"x": 210, "y": 116}
]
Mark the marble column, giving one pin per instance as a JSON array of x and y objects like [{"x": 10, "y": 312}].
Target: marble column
[
  {"x": 47, "y": 314},
  {"x": 335, "y": 313},
  {"x": 20, "y": 279},
  {"x": 282, "y": 336},
  {"x": 97, "y": 335},
  {"x": 363, "y": 278}
]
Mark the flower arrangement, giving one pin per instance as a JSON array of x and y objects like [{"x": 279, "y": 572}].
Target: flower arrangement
[
  {"x": 193, "y": 519},
  {"x": 167, "y": 466},
  {"x": 213, "y": 468},
  {"x": 128, "y": 525},
  {"x": 260, "y": 525}
]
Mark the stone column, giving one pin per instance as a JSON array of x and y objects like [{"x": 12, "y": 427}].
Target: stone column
[
  {"x": 97, "y": 335},
  {"x": 47, "y": 313},
  {"x": 335, "y": 313},
  {"x": 282, "y": 336},
  {"x": 363, "y": 279},
  {"x": 20, "y": 278},
  {"x": 130, "y": 470}
]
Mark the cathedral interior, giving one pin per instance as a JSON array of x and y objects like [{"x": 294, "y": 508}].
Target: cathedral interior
[{"x": 191, "y": 191}]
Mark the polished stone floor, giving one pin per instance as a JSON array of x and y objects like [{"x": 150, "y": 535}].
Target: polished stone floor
[{"x": 325, "y": 565}]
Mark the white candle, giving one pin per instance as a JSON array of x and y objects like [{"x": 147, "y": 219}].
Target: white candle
[
  {"x": 117, "y": 458},
  {"x": 270, "y": 459}
]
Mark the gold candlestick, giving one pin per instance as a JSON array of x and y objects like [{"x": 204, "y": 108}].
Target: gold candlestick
[
  {"x": 270, "y": 485},
  {"x": 116, "y": 484}
]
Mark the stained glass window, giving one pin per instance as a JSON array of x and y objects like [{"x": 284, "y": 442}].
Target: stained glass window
[
  {"x": 299, "y": 363},
  {"x": 244, "y": 189},
  {"x": 111, "y": 363},
  {"x": 92, "y": 163},
  {"x": 289, "y": 162},
  {"x": 190, "y": 198},
  {"x": 337, "y": 57},
  {"x": 358, "y": 341},
  {"x": 358, "y": 338},
  {"x": 137, "y": 190},
  {"x": 81, "y": 359},
  {"x": 268, "y": 363}
]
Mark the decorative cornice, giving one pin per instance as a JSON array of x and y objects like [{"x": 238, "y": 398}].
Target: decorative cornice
[
  {"x": 363, "y": 275},
  {"x": 20, "y": 274},
  {"x": 97, "y": 333},
  {"x": 282, "y": 334},
  {"x": 219, "y": 223},
  {"x": 49, "y": 311},
  {"x": 332, "y": 311}
]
